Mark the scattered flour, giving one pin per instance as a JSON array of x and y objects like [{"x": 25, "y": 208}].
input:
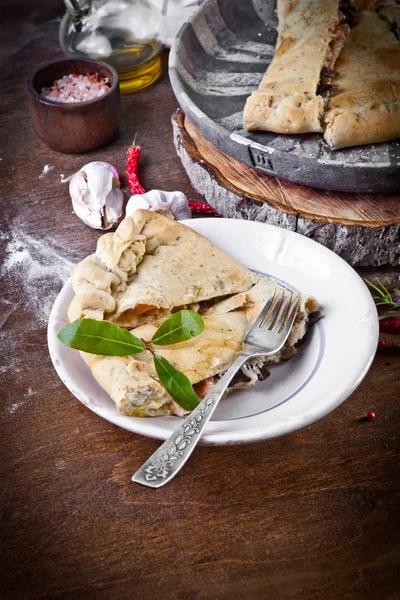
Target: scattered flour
[
  {"x": 46, "y": 169},
  {"x": 37, "y": 269},
  {"x": 14, "y": 407},
  {"x": 32, "y": 274}
]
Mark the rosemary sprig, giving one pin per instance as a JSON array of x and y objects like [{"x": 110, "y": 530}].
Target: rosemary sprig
[{"x": 385, "y": 297}]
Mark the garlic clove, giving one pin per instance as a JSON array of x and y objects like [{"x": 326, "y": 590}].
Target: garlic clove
[
  {"x": 113, "y": 208},
  {"x": 179, "y": 206},
  {"x": 78, "y": 189},
  {"x": 172, "y": 204},
  {"x": 92, "y": 218},
  {"x": 107, "y": 166},
  {"x": 99, "y": 182},
  {"x": 95, "y": 194},
  {"x": 135, "y": 202}
]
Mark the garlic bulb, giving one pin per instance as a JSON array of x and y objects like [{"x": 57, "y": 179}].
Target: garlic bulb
[
  {"x": 170, "y": 204},
  {"x": 95, "y": 194}
]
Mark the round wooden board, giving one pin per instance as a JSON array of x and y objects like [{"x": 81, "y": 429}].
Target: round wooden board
[{"x": 362, "y": 228}]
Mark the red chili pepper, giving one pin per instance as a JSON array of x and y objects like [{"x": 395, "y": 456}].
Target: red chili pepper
[
  {"x": 390, "y": 325},
  {"x": 132, "y": 169},
  {"x": 201, "y": 207}
]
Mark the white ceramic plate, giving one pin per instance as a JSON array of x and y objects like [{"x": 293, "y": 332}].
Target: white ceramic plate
[{"x": 329, "y": 367}]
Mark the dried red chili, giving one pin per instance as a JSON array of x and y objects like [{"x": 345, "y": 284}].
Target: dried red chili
[
  {"x": 201, "y": 207},
  {"x": 132, "y": 168}
]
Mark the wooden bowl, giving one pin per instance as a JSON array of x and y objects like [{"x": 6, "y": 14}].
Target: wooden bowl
[{"x": 74, "y": 127}]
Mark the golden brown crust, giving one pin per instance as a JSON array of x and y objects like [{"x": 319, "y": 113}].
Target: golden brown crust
[
  {"x": 152, "y": 260},
  {"x": 365, "y": 108},
  {"x": 283, "y": 114}
]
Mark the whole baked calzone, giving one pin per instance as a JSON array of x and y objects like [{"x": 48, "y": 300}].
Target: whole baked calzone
[
  {"x": 336, "y": 70},
  {"x": 288, "y": 99},
  {"x": 152, "y": 267}
]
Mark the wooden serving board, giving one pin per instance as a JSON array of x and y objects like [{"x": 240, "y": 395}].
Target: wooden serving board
[{"x": 364, "y": 229}]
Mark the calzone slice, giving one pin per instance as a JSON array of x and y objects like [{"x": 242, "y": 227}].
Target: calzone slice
[
  {"x": 151, "y": 267},
  {"x": 132, "y": 381}
]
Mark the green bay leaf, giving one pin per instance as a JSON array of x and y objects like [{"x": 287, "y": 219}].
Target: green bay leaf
[
  {"x": 176, "y": 383},
  {"x": 180, "y": 327},
  {"x": 100, "y": 337}
]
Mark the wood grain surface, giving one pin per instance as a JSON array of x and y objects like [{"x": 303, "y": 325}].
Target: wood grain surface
[
  {"x": 309, "y": 516},
  {"x": 368, "y": 210}
]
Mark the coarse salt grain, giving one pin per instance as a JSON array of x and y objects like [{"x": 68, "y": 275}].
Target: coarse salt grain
[{"x": 77, "y": 88}]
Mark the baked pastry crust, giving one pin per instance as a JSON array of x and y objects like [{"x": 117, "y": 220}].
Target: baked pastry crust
[
  {"x": 155, "y": 261},
  {"x": 285, "y": 101},
  {"x": 284, "y": 8},
  {"x": 365, "y": 107}
]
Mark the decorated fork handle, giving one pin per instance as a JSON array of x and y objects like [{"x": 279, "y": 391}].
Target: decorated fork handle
[{"x": 170, "y": 457}]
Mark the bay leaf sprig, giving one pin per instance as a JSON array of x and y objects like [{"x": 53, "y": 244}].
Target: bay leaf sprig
[
  {"x": 100, "y": 337},
  {"x": 176, "y": 383},
  {"x": 180, "y": 327},
  {"x": 105, "y": 338}
]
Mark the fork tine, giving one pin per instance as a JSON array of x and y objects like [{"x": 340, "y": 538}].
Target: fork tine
[
  {"x": 274, "y": 311},
  {"x": 282, "y": 315},
  {"x": 264, "y": 311},
  {"x": 291, "y": 316}
]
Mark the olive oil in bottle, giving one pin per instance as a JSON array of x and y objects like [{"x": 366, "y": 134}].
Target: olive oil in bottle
[{"x": 127, "y": 34}]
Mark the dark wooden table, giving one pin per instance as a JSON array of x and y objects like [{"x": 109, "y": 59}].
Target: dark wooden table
[{"x": 312, "y": 515}]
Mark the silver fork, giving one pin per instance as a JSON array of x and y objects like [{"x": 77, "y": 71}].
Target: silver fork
[{"x": 268, "y": 334}]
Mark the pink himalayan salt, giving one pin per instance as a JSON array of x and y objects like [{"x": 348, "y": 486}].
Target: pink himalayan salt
[{"x": 77, "y": 88}]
